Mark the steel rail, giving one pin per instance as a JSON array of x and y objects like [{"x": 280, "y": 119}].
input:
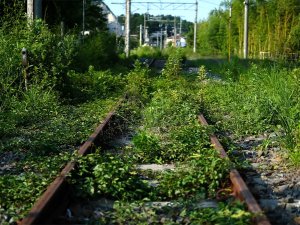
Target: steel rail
[
  {"x": 240, "y": 189},
  {"x": 56, "y": 198}
]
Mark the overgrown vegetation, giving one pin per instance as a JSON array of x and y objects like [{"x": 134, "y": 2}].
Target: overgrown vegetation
[
  {"x": 168, "y": 132},
  {"x": 260, "y": 98},
  {"x": 48, "y": 106},
  {"x": 176, "y": 213}
]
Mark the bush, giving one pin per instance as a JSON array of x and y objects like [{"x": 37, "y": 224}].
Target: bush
[
  {"x": 49, "y": 57},
  {"x": 98, "y": 50},
  {"x": 173, "y": 66},
  {"x": 146, "y": 52},
  {"x": 138, "y": 83},
  {"x": 92, "y": 84},
  {"x": 109, "y": 175}
]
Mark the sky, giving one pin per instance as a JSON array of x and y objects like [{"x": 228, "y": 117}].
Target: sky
[{"x": 204, "y": 7}]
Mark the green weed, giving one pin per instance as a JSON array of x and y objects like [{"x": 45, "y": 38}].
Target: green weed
[{"x": 109, "y": 175}]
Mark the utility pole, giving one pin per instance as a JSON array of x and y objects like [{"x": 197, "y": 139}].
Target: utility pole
[
  {"x": 246, "y": 29},
  {"x": 30, "y": 10},
  {"x": 127, "y": 28},
  {"x": 229, "y": 34},
  {"x": 195, "y": 27},
  {"x": 175, "y": 32},
  {"x": 180, "y": 27},
  {"x": 141, "y": 34},
  {"x": 161, "y": 39},
  {"x": 38, "y": 14},
  {"x": 144, "y": 27},
  {"x": 83, "y": 18}
]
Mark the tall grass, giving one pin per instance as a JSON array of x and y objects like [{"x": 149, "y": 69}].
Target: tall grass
[{"x": 262, "y": 98}]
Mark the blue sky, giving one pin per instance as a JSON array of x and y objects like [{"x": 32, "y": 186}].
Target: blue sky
[{"x": 204, "y": 7}]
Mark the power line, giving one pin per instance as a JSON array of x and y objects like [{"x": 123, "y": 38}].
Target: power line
[
  {"x": 150, "y": 5},
  {"x": 212, "y": 3}
]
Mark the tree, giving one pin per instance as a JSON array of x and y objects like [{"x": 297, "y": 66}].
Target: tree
[
  {"x": 71, "y": 13},
  {"x": 273, "y": 27}
]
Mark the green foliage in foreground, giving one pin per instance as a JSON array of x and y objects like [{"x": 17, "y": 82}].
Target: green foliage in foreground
[
  {"x": 39, "y": 128},
  {"x": 201, "y": 174},
  {"x": 109, "y": 175},
  {"x": 168, "y": 132},
  {"x": 22, "y": 186},
  {"x": 144, "y": 213},
  {"x": 41, "y": 147}
]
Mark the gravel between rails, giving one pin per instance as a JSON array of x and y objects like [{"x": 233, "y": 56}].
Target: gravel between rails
[{"x": 274, "y": 183}]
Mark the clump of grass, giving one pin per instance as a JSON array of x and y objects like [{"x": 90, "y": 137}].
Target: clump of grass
[
  {"x": 263, "y": 98},
  {"x": 146, "y": 52}
]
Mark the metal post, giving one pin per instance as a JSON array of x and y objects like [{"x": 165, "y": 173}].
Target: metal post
[
  {"x": 141, "y": 34},
  {"x": 195, "y": 27},
  {"x": 127, "y": 28},
  {"x": 38, "y": 14},
  {"x": 30, "y": 10},
  {"x": 246, "y": 29}
]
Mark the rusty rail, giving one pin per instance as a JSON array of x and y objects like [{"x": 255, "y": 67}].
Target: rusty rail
[
  {"x": 240, "y": 189},
  {"x": 55, "y": 199}
]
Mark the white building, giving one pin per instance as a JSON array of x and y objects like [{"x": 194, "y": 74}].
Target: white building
[{"x": 112, "y": 20}]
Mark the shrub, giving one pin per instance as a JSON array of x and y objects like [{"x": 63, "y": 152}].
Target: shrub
[
  {"x": 173, "y": 66},
  {"x": 98, "y": 50},
  {"x": 146, "y": 52},
  {"x": 138, "y": 83},
  {"x": 201, "y": 174},
  {"x": 109, "y": 175},
  {"x": 49, "y": 57},
  {"x": 92, "y": 84}
]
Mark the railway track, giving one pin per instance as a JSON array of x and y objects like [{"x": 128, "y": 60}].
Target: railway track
[{"x": 54, "y": 206}]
